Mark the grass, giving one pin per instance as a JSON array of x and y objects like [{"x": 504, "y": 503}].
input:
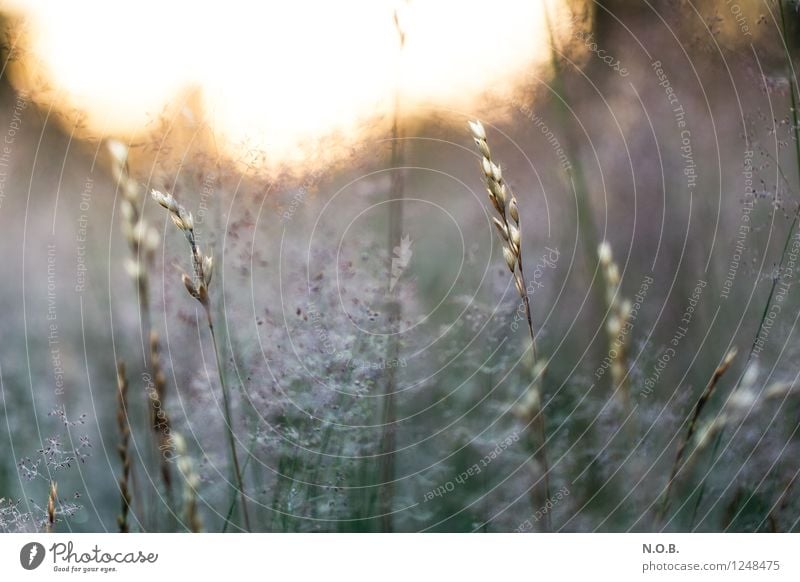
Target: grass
[
  {"x": 323, "y": 450},
  {"x": 122, "y": 448},
  {"x": 793, "y": 104},
  {"x": 693, "y": 425},
  {"x": 197, "y": 287},
  {"x": 507, "y": 223},
  {"x": 52, "y": 501}
]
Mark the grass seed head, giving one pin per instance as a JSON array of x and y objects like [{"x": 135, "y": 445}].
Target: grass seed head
[
  {"x": 510, "y": 257},
  {"x": 51, "y": 506}
]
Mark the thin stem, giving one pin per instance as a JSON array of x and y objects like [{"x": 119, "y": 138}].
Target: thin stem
[
  {"x": 232, "y": 505},
  {"x": 228, "y": 421},
  {"x": 575, "y": 172},
  {"x": 124, "y": 429},
  {"x": 792, "y": 227},
  {"x": 389, "y": 438},
  {"x": 526, "y": 302},
  {"x": 540, "y": 421},
  {"x": 692, "y": 428},
  {"x": 545, "y": 466}
]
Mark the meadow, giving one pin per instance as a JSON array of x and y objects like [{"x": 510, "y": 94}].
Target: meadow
[{"x": 568, "y": 304}]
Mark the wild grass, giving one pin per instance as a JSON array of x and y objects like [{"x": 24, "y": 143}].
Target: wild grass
[
  {"x": 197, "y": 287},
  {"x": 396, "y": 193},
  {"x": 52, "y": 500},
  {"x": 794, "y": 101},
  {"x": 693, "y": 425},
  {"x": 159, "y": 416},
  {"x": 619, "y": 313},
  {"x": 122, "y": 448},
  {"x": 143, "y": 241},
  {"x": 191, "y": 482},
  {"x": 325, "y": 449},
  {"x": 507, "y": 223}
]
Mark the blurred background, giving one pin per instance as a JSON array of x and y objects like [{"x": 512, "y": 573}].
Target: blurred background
[{"x": 376, "y": 362}]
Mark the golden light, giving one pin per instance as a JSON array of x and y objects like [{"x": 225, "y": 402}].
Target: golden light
[{"x": 281, "y": 78}]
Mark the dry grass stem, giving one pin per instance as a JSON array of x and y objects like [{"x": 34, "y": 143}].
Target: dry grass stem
[
  {"x": 197, "y": 287},
  {"x": 202, "y": 265},
  {"x": 52, "y": 499},
  {"x": 531, "y": 413},
  {"x": 619, "y": 313},
  {"x": 159, "y": 416},
  {"x": 782, "y": 504},
  {"x": 123, "y": 426},
  {"x": 142, "y": 239},
  {"x": 693, "y": 425},
  {"x": 388, "y": 442},
  {"x": 507, "y": 220},
  {"x": 191, "y": 481},
  {"x": 508, "y": 226},
  {"x": 741, "y": 402}
]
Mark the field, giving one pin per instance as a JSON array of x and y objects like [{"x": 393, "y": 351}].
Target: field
[{"x": 537, "y": 279}]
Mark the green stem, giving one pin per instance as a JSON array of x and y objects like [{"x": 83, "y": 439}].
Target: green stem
[
  {"x": 792, "y": 227},
  {"x": 229, "y": 423},
  {"x": 575, "y": 174}
]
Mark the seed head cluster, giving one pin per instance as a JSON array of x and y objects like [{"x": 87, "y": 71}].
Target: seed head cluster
[
  {"x": 203, "y": 265},
  {"x": 507, "y": 219}
]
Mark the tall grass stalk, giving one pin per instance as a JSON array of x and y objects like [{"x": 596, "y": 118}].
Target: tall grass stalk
[
  {"x": 123, "y": 426},
  {"x": 162, "y": 428},
  {"x": 678, "y": 464},
  {"x": 793, "y": 96},
  {"x": 575, "y": 173},
  {"x": 619, "y": 312},
  {"x": 507, "y": 223},
  {"x": 143, "y": 241},
  {"x": 530, "y": 411},
  {"x": 191, "y": 481},
  {"x": 388, "y": 444},
  {"x": 52, "y": 500},
  {"x": 197, "y": 287}
]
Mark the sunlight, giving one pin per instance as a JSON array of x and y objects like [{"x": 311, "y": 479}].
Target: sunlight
[{"x": 285, "y": 79}]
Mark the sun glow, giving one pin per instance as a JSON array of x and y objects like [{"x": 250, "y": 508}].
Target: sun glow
[{"x": 281, "y": 78}]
